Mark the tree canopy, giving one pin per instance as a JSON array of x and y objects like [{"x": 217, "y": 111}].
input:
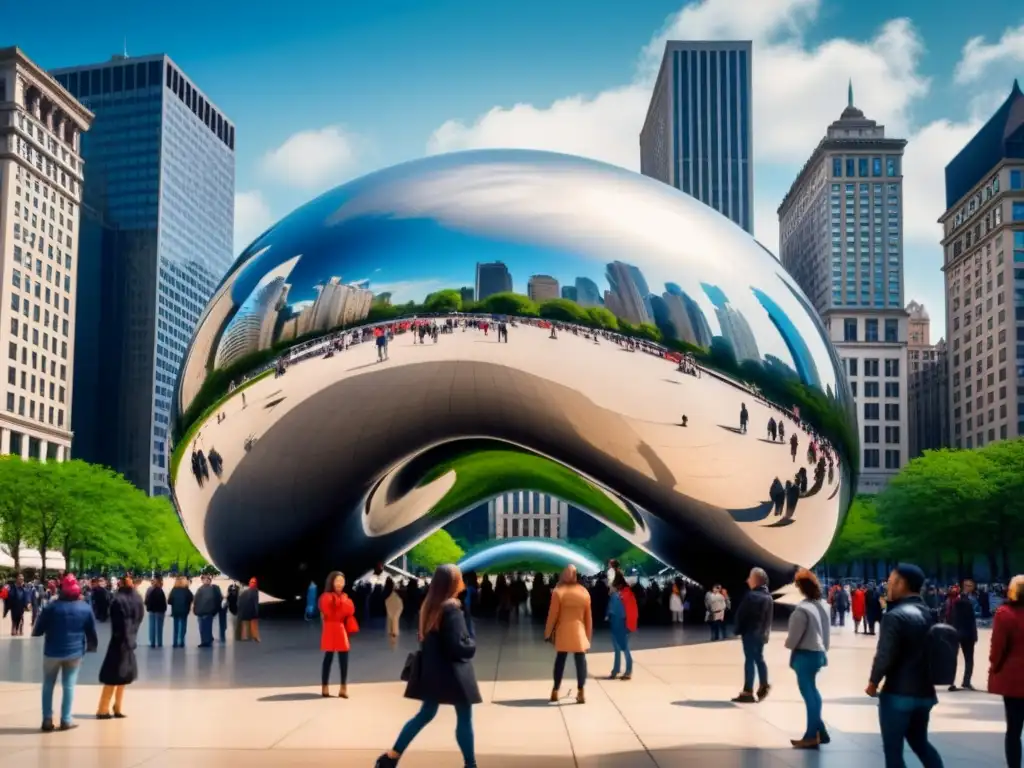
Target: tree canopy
[
  {"x": 947, "y": 506},
  {"x": 90, "y": 514},
  {"x": 437, "y": 549}
]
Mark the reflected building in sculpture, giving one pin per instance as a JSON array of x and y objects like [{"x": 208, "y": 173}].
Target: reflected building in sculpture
[
  {"x": 492, "y": 278},
  {"x": 542, "y": 288},
  {"x": 527, "y": 514},
  {"x": 355, "y": 456}
]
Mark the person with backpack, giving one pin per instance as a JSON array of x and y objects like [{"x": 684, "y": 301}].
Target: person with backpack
[{"x": 913, "y": 655}]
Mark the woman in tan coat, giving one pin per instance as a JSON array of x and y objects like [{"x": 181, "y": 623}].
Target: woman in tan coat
[{"x": 570, "y": 627}]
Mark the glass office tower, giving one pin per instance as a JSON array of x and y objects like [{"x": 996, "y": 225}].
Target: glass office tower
[
  {"x": 160, "y": 186},
  {"x": 697, "y": 134}
]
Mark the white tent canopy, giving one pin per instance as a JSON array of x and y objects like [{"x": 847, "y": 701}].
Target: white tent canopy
[{"x": 30, "y": 558}]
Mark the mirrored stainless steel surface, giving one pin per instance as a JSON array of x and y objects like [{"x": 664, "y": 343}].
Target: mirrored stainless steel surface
[{"x": 423, "y": 339}]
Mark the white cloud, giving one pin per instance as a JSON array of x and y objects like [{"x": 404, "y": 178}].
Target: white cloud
[
  {"x": 312, "y": 159},
  {"x": 978, "y": 56},
  {"x": 252, "y": 218}
]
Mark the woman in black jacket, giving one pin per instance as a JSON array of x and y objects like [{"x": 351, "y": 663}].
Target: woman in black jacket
[
  {"x": 119, "y": 665},
  {"x": 444, "y": 673}
]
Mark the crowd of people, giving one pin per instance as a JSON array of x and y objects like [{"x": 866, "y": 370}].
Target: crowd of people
[{"x": 922, "y": 632}]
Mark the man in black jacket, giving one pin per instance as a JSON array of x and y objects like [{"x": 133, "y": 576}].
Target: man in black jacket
[
  {"x": 901, "y": 659},
  {"x": 966, "y": 625},
  {"x": 753, "y": 625}
]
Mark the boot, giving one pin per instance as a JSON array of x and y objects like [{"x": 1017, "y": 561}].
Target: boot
[
  {"x": 325, "y": 692},
  {"x": 763, "y": 691},
  {"x": 343, "y": 692},
  {"x": 554, "y": 695},
  {"x": 811, "y": 743},
  {"x": 580, "y": 698}
]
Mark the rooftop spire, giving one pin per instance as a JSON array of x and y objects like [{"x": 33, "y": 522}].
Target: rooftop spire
[{"x": 849, "y": 94}]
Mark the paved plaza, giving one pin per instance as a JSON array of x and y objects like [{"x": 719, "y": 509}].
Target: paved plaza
[{"x": 259, "y": 706}]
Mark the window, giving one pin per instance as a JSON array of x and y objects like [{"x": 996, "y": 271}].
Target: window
[
  {"x": 892, "y": 367},
  {"x": 850, "y": 329},
  {"x": 837, "y": 166},
  {"x": 1018, "y": 212},
  {"x": 876, "y": 166},
  {"x": 892, "y": 411},
  {"x": 871, "y": 458},
  {"x": 871, "y": 366},
  {"x": 892, "y": 435},
  {"x": 892, "y": 166},
  {"x": 1016, "y": 178},
  {"x": 892, "y": 459},
  {"x": 871, "y": 411},
  {"x": 892, "y": 329},
  {"x": 851, "y": 167},
  {"x": 870, "y": 389},
  {"x": 870, "y": 434},
  {"x": 892, "y": 389},
  {"x": 852, "y": 365},
  {"x": 871, "y": 329},
  {"x": 10, "y": 402},
  {"x": 862, "y": 167}
]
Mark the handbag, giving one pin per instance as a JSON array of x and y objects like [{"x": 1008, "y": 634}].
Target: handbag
[
  {"x": 351, "y": 625},
  {"x": 411, "y": 669}
]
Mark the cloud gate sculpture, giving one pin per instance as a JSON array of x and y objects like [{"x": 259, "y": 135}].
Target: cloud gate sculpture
[{"x": 417, "y": 342}]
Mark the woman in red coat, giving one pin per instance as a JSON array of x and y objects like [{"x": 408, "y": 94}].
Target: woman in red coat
[
  {"x": 338, "y": 617},
  {"x": 858, "y": 604},
  {"x": 1006, "y": 666}
]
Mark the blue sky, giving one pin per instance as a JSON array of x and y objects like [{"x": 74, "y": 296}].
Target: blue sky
[{"x": 331, "y": 90}]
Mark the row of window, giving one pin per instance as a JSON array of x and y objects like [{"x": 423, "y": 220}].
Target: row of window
[
  {"x": 860, "y": 166},
  {"x": 47, "y": 414},
  {"x": 891, "y": 368},
  {"x": 871, "y": 457},
  {"x": 872, "y": 432}
]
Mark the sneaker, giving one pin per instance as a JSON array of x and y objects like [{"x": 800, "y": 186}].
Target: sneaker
[
  {"x": 953, "y": 688},
  {"x": 104, "y": 716},
  {"x": 745, "y": 698},
  {"x": 386, "y": 761},
  {"x": 627, "y": 676},
  {"x": 68, "y": 726},
  {"x": 47, "y": 726},
  {"x": 763, "y": 691}
]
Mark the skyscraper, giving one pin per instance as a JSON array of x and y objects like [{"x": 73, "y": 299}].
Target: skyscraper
[
  {"x": 841, "y": 238},
  {"x": 735, "y": 328},
  {"x": 697, "y": 135},
  {"x": 983, "y": 243},
  {"x": 163, "y": 165},
  {"x": 927, "y": 386},
  {"x": 491, "y": 278},
  {"x": 527, "y": 514},
  {"x": 542, "y": 288},
  {"x": 41, "y": 176}
]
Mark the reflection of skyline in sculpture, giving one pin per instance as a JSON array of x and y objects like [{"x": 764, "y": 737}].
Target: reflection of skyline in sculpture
[
  {"x": 587, "y": 293},
  {"x": 527, "y": 514},
  {"x": 252, "y": 327},
  {"x": 802, "y": 358},
  {"x": 491, "y": 278},
  {"x": 734, "y": 327},
  {"x": 337, "y": 305}
]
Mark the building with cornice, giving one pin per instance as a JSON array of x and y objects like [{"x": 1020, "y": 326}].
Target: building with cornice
[
  {"x": 983, "y": 264},
  {"x": 41, "y": 177},
  {"x": 927, "y": 385},
  {"x": 841, "y": 238}
]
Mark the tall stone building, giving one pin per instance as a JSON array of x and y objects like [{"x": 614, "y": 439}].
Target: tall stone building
[{"x": 928, "y": 385}]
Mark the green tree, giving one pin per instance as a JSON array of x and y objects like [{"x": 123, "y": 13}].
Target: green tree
[
  {"x": 602, "y": 317},
  {"x": 1004, "y": 517},
  {"x": 508, "y": 303},
  {"x": 448, "y": 300},
  {"x": 862, "y": 537},
  {"x": 564, "y": 310},
  {"x": 15, "y": 494},
  {"x": 437, "y": 549}
]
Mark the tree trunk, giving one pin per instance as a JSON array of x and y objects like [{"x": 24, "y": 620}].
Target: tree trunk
[{"x": 42, "y": 561}]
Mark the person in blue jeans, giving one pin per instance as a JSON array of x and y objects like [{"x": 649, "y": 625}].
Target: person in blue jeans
[
  {"x": 901, "y": 660},
  {"x": 207, "y": 604},
  {"x": 443, "y": 673},
  {"x": 180, "y": 601},
  {"x": 622, "y": 619},
  {"x": 754, "y": 625},
  {"x": 808, "y": 640},
  {"x": 156, "y": 607},
  {"x": 68, "y": 629}
]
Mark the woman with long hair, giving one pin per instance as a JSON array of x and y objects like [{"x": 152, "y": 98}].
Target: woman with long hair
[
  {"x": 338, "y": 621},
  {"x": 120, "y": 667},
  {"x": 570, "y": 626},
  {"x": 444, "y": 673},
  {"x": 1006, "y": 666},
  {"x": 808, "y": 642},
  {"x": 623, "y": 617}
]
